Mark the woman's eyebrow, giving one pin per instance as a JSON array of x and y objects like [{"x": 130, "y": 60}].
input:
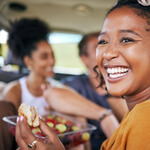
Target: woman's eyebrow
[
  {"x": 129, "y": 31},
  {"x": 102, "y": 33},
  {"x": 121, "y": 31}
]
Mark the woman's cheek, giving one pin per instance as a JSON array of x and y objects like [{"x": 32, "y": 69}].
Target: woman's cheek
[{"x": 99, "y": 57}]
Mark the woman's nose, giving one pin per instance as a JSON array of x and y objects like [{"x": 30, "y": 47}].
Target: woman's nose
[
  {"x": 110, "y": 54},
  {"x": 51, "y": 61}
]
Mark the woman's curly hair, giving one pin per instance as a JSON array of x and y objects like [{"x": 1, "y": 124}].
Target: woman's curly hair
[
  {"x": 140, "y": 10},
  {"x": 99, "y": 76},
  {"x": 24, "y": 34}
]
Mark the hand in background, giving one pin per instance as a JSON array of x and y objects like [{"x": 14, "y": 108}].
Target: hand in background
[{"x": 68, "y": 101}]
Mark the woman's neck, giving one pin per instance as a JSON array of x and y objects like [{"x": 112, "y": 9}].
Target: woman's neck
[
  {"x": 34, "y": 83},
  {"x": 36, "y": 79},
  {"x": 138, "y": 98}
]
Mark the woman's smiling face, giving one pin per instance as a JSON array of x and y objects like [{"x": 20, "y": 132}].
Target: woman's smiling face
[
  {"x": 123, "y": 53},
  {"x": 42, "y": 60}
]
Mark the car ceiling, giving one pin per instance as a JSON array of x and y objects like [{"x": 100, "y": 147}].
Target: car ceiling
[{"x": 81, "y": 16}]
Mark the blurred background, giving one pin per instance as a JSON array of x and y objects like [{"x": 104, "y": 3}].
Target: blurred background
[{"x": 68, "y": 19}]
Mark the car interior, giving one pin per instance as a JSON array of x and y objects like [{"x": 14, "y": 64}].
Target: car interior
[{"x": 68, "y": 20}]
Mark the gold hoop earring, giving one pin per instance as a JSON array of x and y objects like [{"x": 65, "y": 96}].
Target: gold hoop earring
[{"x": 29, "y": 67}]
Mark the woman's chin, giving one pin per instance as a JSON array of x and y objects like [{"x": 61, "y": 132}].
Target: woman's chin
[
  {"x": 118, "y": 89},
  {"x": 116, "y": 92},
  {"x": 50, "y": 74}
]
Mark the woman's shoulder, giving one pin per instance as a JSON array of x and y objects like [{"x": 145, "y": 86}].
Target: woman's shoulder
[
  {"x": 12, "y": 93},
  {"x": 12, "y": 89},
  {"x": 140, "y": 113},
  {"x": 139, "y": 127},
  {"x": 143, "y": 107},
  {"x": 12, "y": 86}
]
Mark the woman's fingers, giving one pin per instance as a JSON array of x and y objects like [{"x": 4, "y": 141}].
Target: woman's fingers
[
  {"x": 46, "y": 130},
  {"x": 26, "y": 131},
  {"x": 20, "y": 141},
  {"x": 24, "y": 136},
  {"x": 52, "y": 138}
]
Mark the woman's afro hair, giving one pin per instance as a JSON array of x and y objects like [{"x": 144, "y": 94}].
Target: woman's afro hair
[{"x": 24, "y": 34}]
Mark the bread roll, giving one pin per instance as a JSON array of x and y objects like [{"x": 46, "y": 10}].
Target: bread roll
[{"x": 30, "y": 113}]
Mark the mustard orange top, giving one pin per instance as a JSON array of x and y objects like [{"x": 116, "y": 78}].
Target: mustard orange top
[{"x": 133, "y": 132}]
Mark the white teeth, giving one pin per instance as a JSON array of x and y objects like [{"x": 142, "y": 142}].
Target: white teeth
[
  {"x": 49, "y": 69},
  {"x": 116, "y": 75},
  {"x": 117, "y": 70}
]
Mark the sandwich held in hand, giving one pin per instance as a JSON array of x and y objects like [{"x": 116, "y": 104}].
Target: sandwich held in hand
[{"x": 30, "y": 113}]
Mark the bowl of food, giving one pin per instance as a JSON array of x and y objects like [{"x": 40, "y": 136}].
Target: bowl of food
[{"x": 71, "y": 131}]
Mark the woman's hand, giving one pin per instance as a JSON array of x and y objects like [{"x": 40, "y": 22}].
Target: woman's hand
[{"x": 25, "y": 137}]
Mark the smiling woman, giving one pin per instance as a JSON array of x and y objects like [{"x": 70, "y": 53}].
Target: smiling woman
[
  {"x": 123, "y": 57},
  {"x": 119, "y": 49}
]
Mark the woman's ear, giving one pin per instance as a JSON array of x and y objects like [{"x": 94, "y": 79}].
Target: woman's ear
[
  {"x": 84, "y": 60},
  {"x": 27, "y": 61}
]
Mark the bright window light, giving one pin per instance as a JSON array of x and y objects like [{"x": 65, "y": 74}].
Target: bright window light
[
  {"x": 57, "y": 37},
  {"x": 65, "y": 47},
  {"x": 3, "y": 36}
]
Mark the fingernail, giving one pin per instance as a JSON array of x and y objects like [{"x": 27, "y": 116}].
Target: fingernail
[
  {"x": 40, "y": 117},
  {"x": 17, "y": 119},
  {"x": 21, "y": 118}
]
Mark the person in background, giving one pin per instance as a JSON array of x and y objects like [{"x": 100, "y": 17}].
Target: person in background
[
  {"x": 28, "y": 42},
  {"x": 123, "y": 58},
  {"x": 87, "y": 86}
]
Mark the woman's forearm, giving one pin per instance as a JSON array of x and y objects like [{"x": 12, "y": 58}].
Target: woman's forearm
[{"x": 70, "y": 102}]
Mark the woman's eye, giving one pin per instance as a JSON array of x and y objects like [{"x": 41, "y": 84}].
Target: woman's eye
[
  {"x": 44, "y": 56},
  {"x": 125, "y": 40},
  {"x": 102, "y": 42}
]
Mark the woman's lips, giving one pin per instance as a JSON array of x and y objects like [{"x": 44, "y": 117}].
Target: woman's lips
[
  {"x": 114, "y": 74},
  {"x": 48, "y": 69}
]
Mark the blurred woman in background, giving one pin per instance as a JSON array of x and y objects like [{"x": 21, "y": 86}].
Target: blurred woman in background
[{"x": 28, "y": 41}]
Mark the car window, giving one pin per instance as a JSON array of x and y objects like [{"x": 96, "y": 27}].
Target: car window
[{"x": 65, "y": 47}]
